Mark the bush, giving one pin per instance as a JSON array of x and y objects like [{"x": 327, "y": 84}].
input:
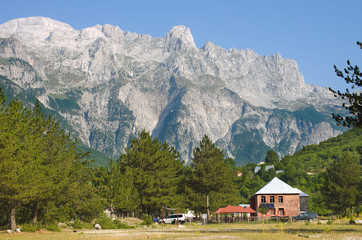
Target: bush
[
  {"x": 30, "y": 227},
  {"x": 329, "y": 222},
  {"x": 53, "y": 228},
  {"x": 105, "y": 222},
  {"x": 78, "y": 224},
  {"x": 352, "y": 221},
  {"x": 147, "y": 220},
  {"x": 121, "y": 225}
]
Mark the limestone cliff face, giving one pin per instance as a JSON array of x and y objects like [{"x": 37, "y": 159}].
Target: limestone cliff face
[{"x": 108, "y": 84}]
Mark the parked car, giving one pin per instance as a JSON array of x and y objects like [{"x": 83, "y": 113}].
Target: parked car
[
  {"x": 181, "y": 218},
  {"x": 307, "y": 216}
]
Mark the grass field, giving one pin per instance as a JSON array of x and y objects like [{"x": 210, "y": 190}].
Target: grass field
[{"x": 269, "y": 231}]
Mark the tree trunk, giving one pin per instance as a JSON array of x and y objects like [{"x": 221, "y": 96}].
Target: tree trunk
[
  {"x": 207, "y": 207},
  {"x": 352, "y": 217},
  {"x": 12, "y": 217},
  {"x": 35, "y": 212}
]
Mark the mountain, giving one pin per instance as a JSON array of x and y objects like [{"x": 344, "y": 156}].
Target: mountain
[{"x": 106, "y": 84}]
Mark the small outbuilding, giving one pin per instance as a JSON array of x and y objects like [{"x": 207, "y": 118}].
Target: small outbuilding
[{"x": 234, "y": 209}]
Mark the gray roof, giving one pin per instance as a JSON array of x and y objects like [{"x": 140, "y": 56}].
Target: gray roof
[
  {"x": 267, "y": 168},
  {"x": 277, "y": 186},
  {"x": 302, "y": 194}
]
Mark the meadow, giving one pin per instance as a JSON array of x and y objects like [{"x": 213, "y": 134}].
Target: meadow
[{"x": 270, "y": 231}]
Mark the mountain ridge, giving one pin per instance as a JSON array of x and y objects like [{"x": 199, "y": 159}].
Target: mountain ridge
[{"x": 109, "y": 84}]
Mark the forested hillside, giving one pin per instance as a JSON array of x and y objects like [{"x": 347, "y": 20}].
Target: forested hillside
[
  {"x": 317, "y": 156},
  {"x": 305, "y": 168}
]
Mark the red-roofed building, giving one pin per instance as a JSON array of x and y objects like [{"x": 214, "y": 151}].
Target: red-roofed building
[{"x": 234, "y": 209}]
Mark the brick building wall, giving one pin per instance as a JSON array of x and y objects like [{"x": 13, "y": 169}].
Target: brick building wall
[{"x": 284, "y": 204}]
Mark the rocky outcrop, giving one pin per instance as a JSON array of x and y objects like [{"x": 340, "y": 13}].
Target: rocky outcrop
[{"x": 108, "y": 84}]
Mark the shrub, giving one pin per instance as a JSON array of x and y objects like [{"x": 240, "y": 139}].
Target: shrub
[
  {"x": 30, "y": 227},
  {"x": 352, "y": 221},
  {"x": 53, "y": 228},
  {"x": 105, "y": 222},
  {"x": 147, "y": 220},
  {"x": 329, "y": 222},
  {"x": 121, "y": 225},
  {"x": 78, "y": 224}
]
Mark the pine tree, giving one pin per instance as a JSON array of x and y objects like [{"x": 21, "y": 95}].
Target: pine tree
[
  {"x": 211, "y": 173},
  {"x": 156, "y": 171},
  {"x": 126, "y": 197},
  {"x": 341, "y": 183},
  {"x": 351, "y": 75},
  {"x": 19, "y": 159},
  {"x": 271, "y": 157},
  {"x": 40, "y": 164}
]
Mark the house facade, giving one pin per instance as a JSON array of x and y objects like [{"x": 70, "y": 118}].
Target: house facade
[{"x": 278, "y": 199}]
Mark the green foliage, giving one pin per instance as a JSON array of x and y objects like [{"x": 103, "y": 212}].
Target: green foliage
[
  {"x": 95, "y": 158},
  {"x": 78, "y": 224},
  {"x": 315, "y": 158},
  {"x": 310, "y": 114},
  {"x": 42, "y": 172},
  {"x": 271, "y": 157},
  {"x": 341, "y": 183},
  {"x": 248, "y": 146},
  {"x": 63, "y": 103},
  {"x": 211, "y": 172},
  {"x": 105, "y": 222},
  {"x": 156, "y": 172},
  {"x": 30, "y": 227},
  {"x": 147, "y": 220},
  {"x": 305, "y": 169},
  {"x": 351, "y": 75},
  {"x": 122, "y": 225},
  {"x": 53, "y": 228}
]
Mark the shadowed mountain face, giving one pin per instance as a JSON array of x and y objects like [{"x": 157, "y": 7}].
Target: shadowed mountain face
[{"x": 107, "y": 84}]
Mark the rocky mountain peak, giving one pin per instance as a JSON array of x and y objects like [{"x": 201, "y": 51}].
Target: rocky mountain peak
[
  {"x": 107, "y": 84},
  {"x": 179, "y": 37},
  {"x": 34, "y": 25}
]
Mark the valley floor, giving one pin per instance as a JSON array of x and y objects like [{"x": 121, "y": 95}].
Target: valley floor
[{"x": 211, "y": 231}]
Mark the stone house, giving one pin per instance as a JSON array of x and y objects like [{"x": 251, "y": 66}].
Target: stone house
[{"x": 278, "y": 199}]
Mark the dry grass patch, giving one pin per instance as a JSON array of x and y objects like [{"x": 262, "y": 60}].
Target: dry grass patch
[{"x": 258, "y": 231}]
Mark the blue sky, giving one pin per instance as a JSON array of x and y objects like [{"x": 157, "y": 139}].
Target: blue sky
[{"x": 315, "y": 33}]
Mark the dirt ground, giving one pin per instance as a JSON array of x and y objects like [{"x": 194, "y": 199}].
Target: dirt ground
[{"x": 198, "y": 232}]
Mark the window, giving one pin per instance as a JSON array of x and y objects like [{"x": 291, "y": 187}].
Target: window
[
  {"x": 263, "y": 199},
  {"x": 280, "y": 199},
  {"x": 281, "y": 211},
  {"x": 271, "y": 199},
  {"x": 272, "y": 211}
]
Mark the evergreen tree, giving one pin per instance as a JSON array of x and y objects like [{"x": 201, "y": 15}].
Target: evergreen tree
[
  {"x": 19, "y": 182},
  {"x": 271, "y": 157},
  {"x": 211, "y": 173},
  {"x": 40, "y": 165},
  {"x": 126, "y": 197},
  {"x": 351, "y": 75},
  {"x": 156, "y": 170},
  {"x": 341, "y": 184}
]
